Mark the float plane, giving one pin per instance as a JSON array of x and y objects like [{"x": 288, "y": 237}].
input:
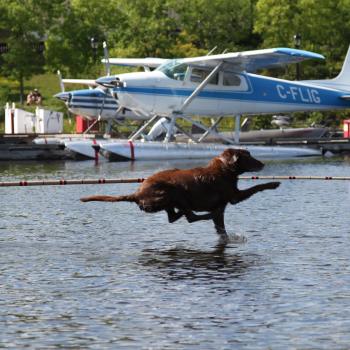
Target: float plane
[{"x": 227, "y": 85}]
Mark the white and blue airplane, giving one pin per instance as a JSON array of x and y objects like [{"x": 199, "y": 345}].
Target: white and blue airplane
[{"x": 226, "y": 85}]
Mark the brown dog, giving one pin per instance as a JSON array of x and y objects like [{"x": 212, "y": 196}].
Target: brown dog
[{"x": 208, "y": 189}]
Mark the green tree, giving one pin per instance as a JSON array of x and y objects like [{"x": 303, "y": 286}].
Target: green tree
[
  {"x": 179, "y": 28},
  {"x": 150, "y": 28},
  {"x": 226, "y": 24},
  {"x": 23, "y": 34},
  {"x": 324, "y": 27},
  {"x": 69, "y": 37}
]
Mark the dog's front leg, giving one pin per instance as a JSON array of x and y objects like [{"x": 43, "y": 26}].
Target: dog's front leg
[{"x": 242, "y": 195}]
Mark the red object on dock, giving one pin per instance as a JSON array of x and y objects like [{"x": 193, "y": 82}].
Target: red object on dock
[
  {"x": 81, "y": 124},
  {"x": 346, "y": 127}
]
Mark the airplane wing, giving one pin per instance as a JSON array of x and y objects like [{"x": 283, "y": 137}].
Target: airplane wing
[
  {"x": 251, "y": 61},
  {"x": 89, "y": 82},
  {"x": 136, "y": 62}
]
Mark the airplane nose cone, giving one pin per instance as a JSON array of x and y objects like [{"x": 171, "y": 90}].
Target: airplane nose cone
[
  {"x": 64, "y": 96},
  {"x": 110, "y": 82}
]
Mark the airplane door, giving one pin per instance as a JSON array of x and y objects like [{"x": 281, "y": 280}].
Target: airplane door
[
  {"x": 235, "y": 90},
  {"x": 170, "y": 93},
  {"x": 207, "y": 100}
]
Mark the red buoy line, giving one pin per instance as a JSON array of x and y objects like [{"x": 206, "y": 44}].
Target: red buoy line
[
  {"x": 61, "y": 182},
  {"x": 300, "y": 177},
  {"x": 69, "y": 182}
]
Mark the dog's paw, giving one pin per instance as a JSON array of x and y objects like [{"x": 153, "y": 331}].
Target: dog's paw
[
  {"x": 272, "y": 185},
  {"x": 237, "y": 239},
  {"x": 84, "y": 199}
]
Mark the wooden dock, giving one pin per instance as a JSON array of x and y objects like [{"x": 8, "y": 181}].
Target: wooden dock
[
  {"x": 21, "y": 147},
  {"x": 332, "y": 142},
  {"x": 336, "y": 145}
]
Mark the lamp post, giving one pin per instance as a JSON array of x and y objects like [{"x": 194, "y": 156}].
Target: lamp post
[
  {"x": 297, "y": 43},
  {"x": 94, "y": 46}
]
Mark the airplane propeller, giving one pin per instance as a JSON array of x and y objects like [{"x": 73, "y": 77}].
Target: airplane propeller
[
  {"x": 64, "y": 96},
  {"x": 110, "y": 82}
]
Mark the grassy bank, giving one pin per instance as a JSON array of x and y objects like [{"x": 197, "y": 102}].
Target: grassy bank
[{"x": 47, "y": 84}]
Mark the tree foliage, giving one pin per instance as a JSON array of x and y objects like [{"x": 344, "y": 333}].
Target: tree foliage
[
  {"x": 166, "y": 28},
  {"x": 23, "y": 34},
  {"x": 324, "y": 27}
]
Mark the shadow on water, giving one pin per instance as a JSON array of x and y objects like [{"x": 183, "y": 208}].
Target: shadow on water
[{"x": 181, "y": 263}]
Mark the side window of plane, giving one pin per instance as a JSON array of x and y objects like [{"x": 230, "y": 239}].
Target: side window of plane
[
  {"x": 231, "y": 79},
  {"x": 198, "y": 75},
  {"x": 235, "y": 82}
]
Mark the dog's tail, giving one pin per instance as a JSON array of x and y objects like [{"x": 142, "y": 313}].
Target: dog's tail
[{"x": 102, "y": 198}]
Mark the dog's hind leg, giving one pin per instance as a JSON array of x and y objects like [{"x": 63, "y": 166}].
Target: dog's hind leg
[
  {"x": 173, "y": 215},
  {"x": 219, "y": 223},
  {"x": 192, "y": 217}
]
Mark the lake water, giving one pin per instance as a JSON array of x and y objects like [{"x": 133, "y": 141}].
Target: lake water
[{"x": 107, "y": 276}]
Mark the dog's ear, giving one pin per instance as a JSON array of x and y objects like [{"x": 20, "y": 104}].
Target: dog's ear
[{"x": 229, "y": 157}]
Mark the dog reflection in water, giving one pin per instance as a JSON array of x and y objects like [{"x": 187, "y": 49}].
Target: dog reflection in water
[
  {"x": 181, "y": 263},
  {"x": 203, "y": 189}
]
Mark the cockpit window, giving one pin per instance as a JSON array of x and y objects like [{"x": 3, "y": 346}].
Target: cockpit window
[
  {"x": 198, "y": 75},
  {"x": 174, "y": 69}
]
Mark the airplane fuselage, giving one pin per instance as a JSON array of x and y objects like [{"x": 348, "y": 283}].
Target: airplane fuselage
[
  {"x": 92, "y": 103},
  {"x": 228, "y": 93}
]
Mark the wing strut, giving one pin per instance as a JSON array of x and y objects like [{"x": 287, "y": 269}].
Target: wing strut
[
  {"x": 210, "y": 129},
  {"x": 199, "y": 88},
  {"x": 237, "y": 128},
  {"x": 138, "y": 132},
  {"x": 189, "y": 99}
]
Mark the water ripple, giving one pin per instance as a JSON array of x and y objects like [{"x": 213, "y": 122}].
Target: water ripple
[{"x": 107, "y": 276}]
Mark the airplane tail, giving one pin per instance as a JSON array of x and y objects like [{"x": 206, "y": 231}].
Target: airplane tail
[
  {"x": 343, "y": 77},
  {"x": 102, "y": 198},
  {"x": 341, "y": 81}
]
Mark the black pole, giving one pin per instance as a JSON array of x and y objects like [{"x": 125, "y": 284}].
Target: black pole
[
  {"x": 94, "y": 45},
  {"x": 297, "y": 42}
]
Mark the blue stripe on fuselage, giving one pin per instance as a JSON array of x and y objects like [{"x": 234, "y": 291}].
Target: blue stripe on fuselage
[
  {"x": 95, "y": 101},
  {"x": 92, "y": 107}
]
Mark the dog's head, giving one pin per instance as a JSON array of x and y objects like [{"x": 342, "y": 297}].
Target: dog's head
[{"x": 239, "y": 161}]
